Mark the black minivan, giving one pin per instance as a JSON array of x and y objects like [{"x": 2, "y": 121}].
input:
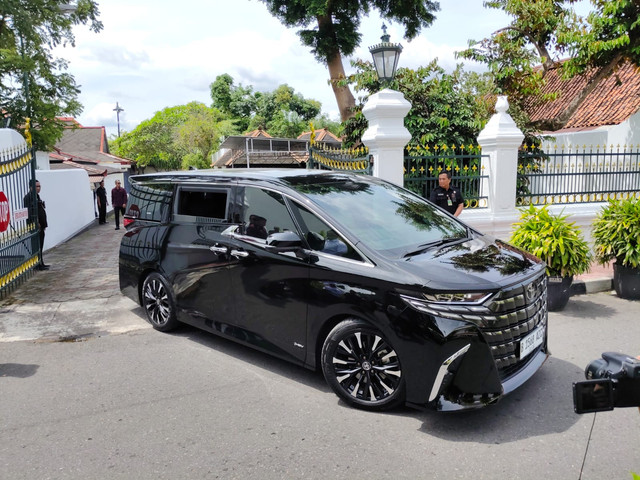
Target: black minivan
[{"x": 397, "y": 301}]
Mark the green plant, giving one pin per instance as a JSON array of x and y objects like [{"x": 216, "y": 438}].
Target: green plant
[
  {"x": 553, "y": 239},
  {"x": 616, "y": 233}
]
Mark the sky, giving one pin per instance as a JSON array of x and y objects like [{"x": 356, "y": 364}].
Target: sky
[{"x": 156, "y": 54}]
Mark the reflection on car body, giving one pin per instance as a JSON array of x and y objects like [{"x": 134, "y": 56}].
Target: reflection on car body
[{"x": 396, "y": 301}]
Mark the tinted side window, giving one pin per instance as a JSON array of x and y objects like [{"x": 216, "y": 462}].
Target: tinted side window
[
  {"x": 150, "y": 201},
  {"x": 208, "y": 205},
  {"x": 264, "y": 212},
  {"x": 334, "y": 243}
]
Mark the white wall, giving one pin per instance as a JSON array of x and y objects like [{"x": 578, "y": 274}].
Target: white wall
[
  {"x": 626, "y": 133},
  {"x": 69, "y": 201}
]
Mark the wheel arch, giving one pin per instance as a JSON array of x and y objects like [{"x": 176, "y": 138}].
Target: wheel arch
[{"x": 328, "y": 325}]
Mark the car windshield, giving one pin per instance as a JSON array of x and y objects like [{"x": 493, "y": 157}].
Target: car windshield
[{"x": 384, "y": 217}]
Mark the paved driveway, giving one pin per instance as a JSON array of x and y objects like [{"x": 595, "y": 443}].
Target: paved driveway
[{"x": 88, "y": 390}]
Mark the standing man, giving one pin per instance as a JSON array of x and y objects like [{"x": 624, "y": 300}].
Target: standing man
[
  {"x": 119, "y": 202},
  {"x": 101, "y": 199},
  {"x": 40, "y": 217},
  {"x": 446, "y": 196}
]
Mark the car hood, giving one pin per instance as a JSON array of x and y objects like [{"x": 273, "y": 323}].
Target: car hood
[{"x": 480, "y": 263}]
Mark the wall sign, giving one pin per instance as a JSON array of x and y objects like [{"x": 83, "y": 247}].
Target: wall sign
[{"x": 5, "y": 217}]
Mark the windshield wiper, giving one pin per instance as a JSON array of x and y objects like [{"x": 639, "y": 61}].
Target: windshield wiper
[{"x": 436, "y": 243}]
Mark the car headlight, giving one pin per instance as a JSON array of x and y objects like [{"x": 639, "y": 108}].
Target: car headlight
[
  {"x": 436, "y": 303},
  {"x": 466, "y": 298}
]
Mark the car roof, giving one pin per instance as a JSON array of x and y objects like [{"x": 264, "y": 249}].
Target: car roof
[{"x": 283, "y": 176}]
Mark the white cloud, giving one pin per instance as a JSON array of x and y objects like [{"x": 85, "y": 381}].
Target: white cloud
[{"x": 152, "y": 55}]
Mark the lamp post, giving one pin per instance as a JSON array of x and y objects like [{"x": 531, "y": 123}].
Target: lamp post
[
  {"x": 118, "y": 109},
  {"x": 385, "y": 111},
  {"x": 385, "y": 57}
]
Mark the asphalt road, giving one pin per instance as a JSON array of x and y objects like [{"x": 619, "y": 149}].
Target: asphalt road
[{"x": 136, "y": 403}]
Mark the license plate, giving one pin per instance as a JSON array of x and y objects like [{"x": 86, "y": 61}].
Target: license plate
[{"x": 531, "y": 341}]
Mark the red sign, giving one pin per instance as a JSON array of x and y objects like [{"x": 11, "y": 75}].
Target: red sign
[{"x": 4, "y": 212}]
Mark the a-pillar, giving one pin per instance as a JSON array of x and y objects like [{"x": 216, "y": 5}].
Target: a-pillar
[
  {"x": 387, "y": 136},
  {"x": 500, "y": 140}
]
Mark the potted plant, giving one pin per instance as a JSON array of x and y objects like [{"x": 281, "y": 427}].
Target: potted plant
[
  {"x": 616, "y": 235},
  {"x": 559, "y": 243}
]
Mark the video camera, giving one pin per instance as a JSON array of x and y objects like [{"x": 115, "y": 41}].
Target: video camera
[{"x": 612, "y": 381}]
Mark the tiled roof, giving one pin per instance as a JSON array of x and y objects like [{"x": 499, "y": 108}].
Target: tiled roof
[
  {"x": 257, "y": 133},
  {"x": 239, "y": 158},
  {"x": 611, "y": 102},
  {"x": 85, "y": 144},
  {"x": 322, "y": 135}
]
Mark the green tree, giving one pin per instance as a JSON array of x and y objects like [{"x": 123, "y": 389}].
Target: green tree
[
  {"x": 236, "y": 101},
  {"x": 330, "y": 28},
  {"x": 175, "y": 137},
  {"x": 200, "y": 135},
  {"x": 542, "y": 32},
  {"x": 446, "y": 108},
  {"x": 33, "y": 83},
  {"x": 282, "y": 112}
]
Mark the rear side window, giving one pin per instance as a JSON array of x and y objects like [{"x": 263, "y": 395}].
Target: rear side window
[
  {"x": 149, "y": 201},
  {"x": 206, "y": 204}
]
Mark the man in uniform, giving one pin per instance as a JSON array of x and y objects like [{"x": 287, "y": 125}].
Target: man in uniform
[
  {"x": 101, "y": 199},
  {"x": 38, "y": 213},
  {"x": 446, "y": 196}
]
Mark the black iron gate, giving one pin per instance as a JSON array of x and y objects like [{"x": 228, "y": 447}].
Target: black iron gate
[{"x": 19, "y": 239}]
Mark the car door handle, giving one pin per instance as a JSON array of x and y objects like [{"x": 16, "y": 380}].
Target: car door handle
[
  {"x": 221, "y": 250},
  {"x": 239, "y": 253}
]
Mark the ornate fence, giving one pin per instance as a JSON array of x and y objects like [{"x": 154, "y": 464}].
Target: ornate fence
[
  {"x": 356, "y": 160},
  {"x": 422, "y": 164},
  {"x": 577, "y": 174},
  {"x": 19, "y": 241}
]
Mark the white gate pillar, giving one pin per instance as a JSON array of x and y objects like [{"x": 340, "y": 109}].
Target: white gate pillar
[
  {"x": 387, "y": 136},
  {"x": 500, "y": 140}
]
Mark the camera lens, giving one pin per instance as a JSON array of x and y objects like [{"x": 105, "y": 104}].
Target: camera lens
[{"x": 597, "y": 369}]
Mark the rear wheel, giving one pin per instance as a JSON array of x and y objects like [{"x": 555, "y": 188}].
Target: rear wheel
[
  {"x": 158, "y": 304},
  {"x": 362, "y": 367}
]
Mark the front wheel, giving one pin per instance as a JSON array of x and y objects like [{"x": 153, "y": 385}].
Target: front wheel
[
  {"x": 158, "y": 303},
  {"x": 362, "y": 367}
]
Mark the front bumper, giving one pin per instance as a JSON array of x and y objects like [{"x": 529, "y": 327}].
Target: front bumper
[{"x": 484, "y": 353}]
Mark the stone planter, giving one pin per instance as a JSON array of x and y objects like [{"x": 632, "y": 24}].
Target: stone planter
[
  {"x": 626, "y": 281},
  {"x": 558, "y": 292}
]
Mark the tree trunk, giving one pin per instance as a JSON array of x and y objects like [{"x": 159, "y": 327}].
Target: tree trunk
[{"x": 344, "y": 97}]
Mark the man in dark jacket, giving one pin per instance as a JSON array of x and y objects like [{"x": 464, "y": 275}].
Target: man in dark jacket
[
  {"x": 40, "y": 218},
  {"x": 119, "y": 202},
  {"x": 446, "y": 196},
  {"x": 101, "y": 200}
]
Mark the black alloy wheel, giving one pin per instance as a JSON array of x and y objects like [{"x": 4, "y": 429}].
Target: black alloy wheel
[
  {"x": 362, "y": 367},
  {"x": 158, "y": 303}
]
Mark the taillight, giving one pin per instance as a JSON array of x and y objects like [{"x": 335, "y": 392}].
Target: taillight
[{"x": 127, "y": 221}]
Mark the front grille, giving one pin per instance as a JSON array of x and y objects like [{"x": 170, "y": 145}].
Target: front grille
[
  {"x": 518, "y": 311},
  {"x": 506, "y": 319}
]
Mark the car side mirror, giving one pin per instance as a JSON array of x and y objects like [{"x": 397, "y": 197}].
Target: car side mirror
[{"x": 287, "y": 241}]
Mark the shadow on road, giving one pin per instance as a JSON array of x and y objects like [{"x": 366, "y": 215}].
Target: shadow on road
[
  {"x": 18, "y": 370},
  {"x": 254, "y": 357},
  {"x": 543, "y": 405},
  {"x": 583, "y": 308}
]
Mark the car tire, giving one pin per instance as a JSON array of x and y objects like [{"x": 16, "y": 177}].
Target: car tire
[
  {"x": 158, "y": 304},
  {"x": 362, "y": 367}
]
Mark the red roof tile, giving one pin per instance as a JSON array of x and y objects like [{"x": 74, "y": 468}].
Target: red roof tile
[{"x": 612, "y": 102}]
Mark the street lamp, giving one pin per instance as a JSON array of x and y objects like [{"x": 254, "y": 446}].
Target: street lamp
[
  {"x": 118, "y": 109},
  {"x": 385, "y": 57}
]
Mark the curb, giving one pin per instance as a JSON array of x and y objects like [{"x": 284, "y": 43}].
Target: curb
[{"x": 593, "y": 285}]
